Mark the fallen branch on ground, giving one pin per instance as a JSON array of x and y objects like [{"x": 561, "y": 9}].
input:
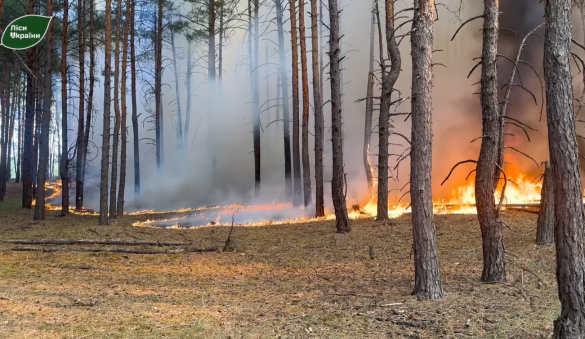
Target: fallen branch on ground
[
  {"x": 112, "y": 250},
  {"x": 93, "y": 242}
]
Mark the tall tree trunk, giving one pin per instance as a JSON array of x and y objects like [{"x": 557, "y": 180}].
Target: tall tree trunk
[
  {"x": 211, "y": 85},
  {"x": 337, "y": 194},
  {"x": 28, "y": 154},
  {"x": 38, "y": 118},
  {"x": 79, "y": 177},
  {"x": 388, "y": 81},
  {"x": 114, "y": 176},
  {"x": 134, "y": 103},
  {"x": 177, "y": 94},
  {"x": 64, "y": 163},
  {"x": 90, "y": 94},
  {"x": 124, "y": 128},
  {"x": 188, "y": 81},
  {"x": 256, "y": 89},
  {"x": 370, "y": 105},
  {"x": 10, "y": 133},
  {"x": 305, "y": 125},
  {"x": 297, "y": 194},
  {"x": 158, "y": 86},
  {"x": 220, "y": 53},
  {"x": 4, "y": 113},
  {"x": 19, "y": 142},
  {"x": 103, "y": 219},
  {"x": 319, "y": 121},
  {"x": 564, "y": 158},
  {"x": 45, "y": 123},
  {"x": 494, "y": 269},
  {"x": 427, "y": 278},
  {"x": 545, "y": 226},
  {"x": 284, "y": 95}
]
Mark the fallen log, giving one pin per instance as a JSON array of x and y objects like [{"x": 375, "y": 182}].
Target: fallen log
[
  {"x": 112, "y": 250},
  {"x": 94, "y": 242}
]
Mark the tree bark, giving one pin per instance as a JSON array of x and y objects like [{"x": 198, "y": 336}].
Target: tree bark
[
  {"x": 256, "y": 89},
  {"x": 494, "y": 269},
  {"x": 297, "y": 188},
  {"x": 305, "y": 124},
  {"x": 370, "y": 106},
  {"x": 28, "y": 154},
  {"x": 45, "y": 123},
  {"x": 103, "y": 218},
  {"x": 80, "y": 168},
  {"x": 64, "y": 163},
  {"x": 134, "y": 103},
  {"x": 19, "y": 141},
  {"x": 188, "y": 80},
  {"x": 545, "y": 226},
  {"x": 179, "y": 128},
  {"x": 123, "y": 155},
  {"x": 388, "y": 81},
  {"x": 90, "y": 94},
  {"x": 117, "y": 115},
  {"x": 427, "y": 277},
  {"x": 319, "y": 120},
  {"x": 564, "y": 158},
  {"x": 158, "y": 87},
  {"x": 284, "y": 95},
  {"x": 211, "y": 77},
  {"x": 341, "y": 219}
]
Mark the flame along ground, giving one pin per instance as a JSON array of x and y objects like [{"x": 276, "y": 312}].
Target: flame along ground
[{"x": 519, "y": 191}]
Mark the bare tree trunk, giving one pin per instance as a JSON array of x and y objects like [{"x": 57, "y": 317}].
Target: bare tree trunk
[
  {"x": 158, "y": 87},
  {"x": 80, "y": 169},
  {"x": 427, "y": 277},
  {"x": 388, "y": 81},
  {"x": 337, "y": 194},
  {"x": 188, "y": 80},
  {"x": 545, "y": 226},
  {"x": 91, "y": 91},
  {"x": 284, "y": 94},
  {"x": 19, "y": 142},
  {"x": 297, "y": 194},
  {"x": 220, "y": 53},
  {"x": 121, "y": 190},
  {"x": 564, "y": 159},
  {"x": 305, "y": 124},
  {"x": 370, "y": 105},
  {"x": 28, "y": 154},
  {"x": 4, "y": 112},
  {"x": 319, "y": 120},
  {"x": 494, "y": 269},
  {"x": 134, "y": 103},
  {"x": 114, "y": 175},
  {"x": 211, "y": 74},
  {"x": 64, "y": 163},
  {"x": 103, "y": 219},
  {"x": 256, "y": 89},
  {"x": 177, "y": 94},
  {"x": 45, "y": 123}
]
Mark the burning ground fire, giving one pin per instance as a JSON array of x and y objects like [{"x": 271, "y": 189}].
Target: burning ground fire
[{"x": 520, "y": 191}]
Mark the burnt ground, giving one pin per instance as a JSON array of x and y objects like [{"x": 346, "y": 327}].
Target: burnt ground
[{"x": 284, "y": 281}]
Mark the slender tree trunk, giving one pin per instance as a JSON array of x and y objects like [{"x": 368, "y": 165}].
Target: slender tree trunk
[
  {"x": 28, "y": 154},
  {"x": 211, "y": 73},
  {"x": 545, "y": 226},
  {"x": 564, "y": 159},
  {"x": 103, "y": 219},
  {"x": 114, "y": 176},
  {"x": 220, "y": 55},
  {"x": 45, "y": 123},
  {"x": 5, "y": 93},
  {"x": 388, "y": 81},
  {"x": 134, "y": 103},
  {"x": 123, "y": 156},
  {"x": 90, "y": 94},
  {"x": 38, "y": 116},
  {"x": 305, "y": 124},
  {"x": 64, "y": 163},
  {"x": 188, "y": 80},
  {"x": 284, "y": 94},
  {"x": 427, "y": 278},
  {"x": 19, "y": 142},
  {"x": 370, "y": 106},
  {"x": 319, "y": 121},
  {"x": 177, "y": 94},
  {"x": 79, "y": 177},
  {"x": 297, "y": 194},
  {"x": 341, "y": 219},
  {"x": 494, "y": 269},
  {"x": 158, "y": 87},
  {"x": 256, "y": 89},
  {"x": 10, "y": 133}
]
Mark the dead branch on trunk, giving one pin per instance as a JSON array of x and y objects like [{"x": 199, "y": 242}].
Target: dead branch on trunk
[{"x": 454, "y": 167}]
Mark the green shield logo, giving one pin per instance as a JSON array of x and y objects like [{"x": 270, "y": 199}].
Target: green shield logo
[{"x": 25, "y": 32}]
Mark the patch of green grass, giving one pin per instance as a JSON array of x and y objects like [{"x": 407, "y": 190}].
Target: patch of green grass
[{"x": 7, "y": 271}]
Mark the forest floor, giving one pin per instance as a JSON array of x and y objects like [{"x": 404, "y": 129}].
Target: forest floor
[{"x": 285, "y": 281}]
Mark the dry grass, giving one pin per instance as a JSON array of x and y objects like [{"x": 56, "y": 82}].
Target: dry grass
[{"x": 286, "y": 281}]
